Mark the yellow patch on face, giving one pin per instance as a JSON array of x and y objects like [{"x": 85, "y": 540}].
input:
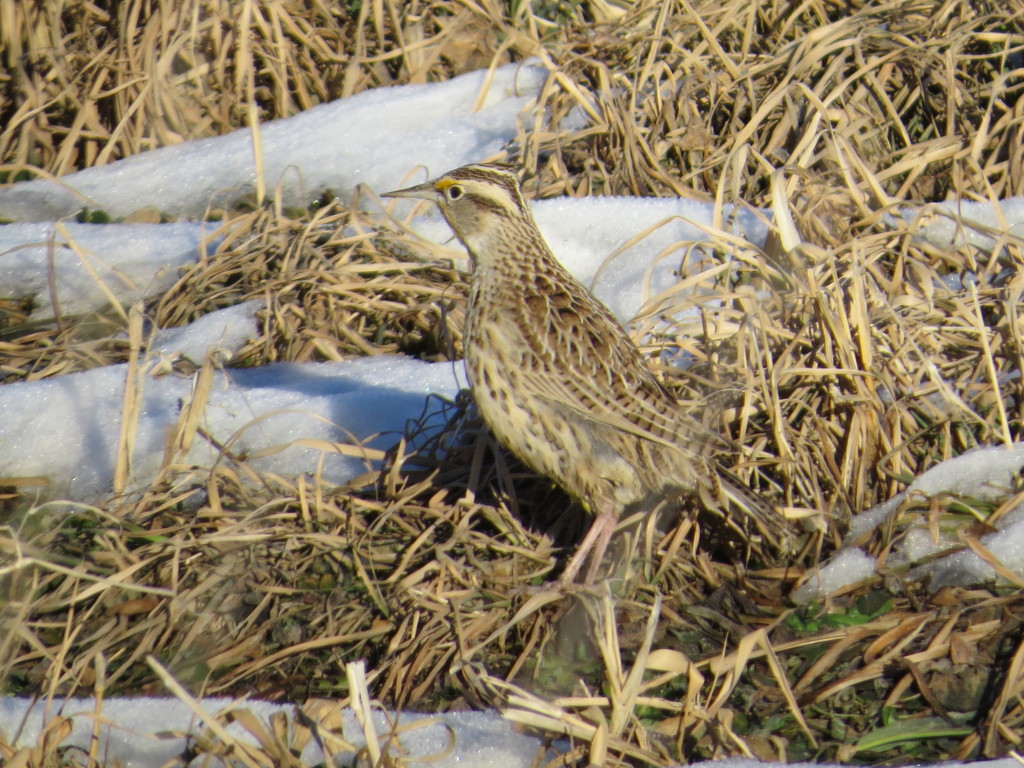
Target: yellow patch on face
[{"x": 442, "y": 184}]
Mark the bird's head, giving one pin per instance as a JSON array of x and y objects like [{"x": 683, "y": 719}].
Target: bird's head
[{"x": 479, "y": 201}]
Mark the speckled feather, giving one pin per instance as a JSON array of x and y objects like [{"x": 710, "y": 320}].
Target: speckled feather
[{"x": 554, "y": 375}]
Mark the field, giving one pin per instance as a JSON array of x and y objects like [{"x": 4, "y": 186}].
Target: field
[{"x": 842, "y": 359}]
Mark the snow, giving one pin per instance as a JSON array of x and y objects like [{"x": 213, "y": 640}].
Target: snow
[
  {"x": 596, "y": 238},
  {"x": 984, "y": 473},
  {"x": 147, "y": 732},
  {"x": 848, "y": 566},
  {"x": 367, "y": 138},
  {"x": 334, "y": 419},
  {"x": 276, "y": 413},
  {"x": 221, "y": 334},
  {"x": 979, "y": 224},
  {"x": 987, "y": 474},
  {"x": 76, "y": 268}
]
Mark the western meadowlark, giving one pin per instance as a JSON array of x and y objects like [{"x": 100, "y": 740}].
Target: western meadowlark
[{"x": 555, "y": 376}]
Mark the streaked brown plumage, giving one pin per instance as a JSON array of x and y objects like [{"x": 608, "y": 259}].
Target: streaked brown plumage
[{"x": 555, "y": 376}]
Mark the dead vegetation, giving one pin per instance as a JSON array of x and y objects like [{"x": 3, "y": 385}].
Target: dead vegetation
[{"x": 852, "y": 369}]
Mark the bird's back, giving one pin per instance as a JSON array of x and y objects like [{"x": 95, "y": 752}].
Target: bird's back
[{"x": 560, "y": 383}]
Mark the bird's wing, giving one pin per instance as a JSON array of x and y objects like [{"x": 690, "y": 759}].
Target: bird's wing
[
  {"x": 592, "y": 369},
  {"x": 583, "y": 363}
]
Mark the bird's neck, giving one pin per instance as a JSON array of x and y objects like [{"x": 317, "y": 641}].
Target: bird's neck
[{"x": 510, "y": 253}]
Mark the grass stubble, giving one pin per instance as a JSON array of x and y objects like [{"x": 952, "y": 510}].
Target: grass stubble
[{"x": 833, "y": 353}]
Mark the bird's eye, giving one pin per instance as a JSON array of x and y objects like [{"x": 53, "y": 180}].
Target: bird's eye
[{"x": 454, "y": 192}]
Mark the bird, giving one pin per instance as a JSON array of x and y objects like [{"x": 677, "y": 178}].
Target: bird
[{"x": 557, "y": 379}]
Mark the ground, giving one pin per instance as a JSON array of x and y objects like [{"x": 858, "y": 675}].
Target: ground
[{"x": 835, "y": 350}]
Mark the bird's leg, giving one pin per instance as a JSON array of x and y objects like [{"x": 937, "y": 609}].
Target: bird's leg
[{"x": 594, "y": 544}]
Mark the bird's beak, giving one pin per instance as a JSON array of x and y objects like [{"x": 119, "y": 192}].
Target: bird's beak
[{"x": 425, "y": 191}]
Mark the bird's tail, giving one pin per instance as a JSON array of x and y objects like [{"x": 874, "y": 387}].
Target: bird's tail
[{"x": 762, "y": 526}]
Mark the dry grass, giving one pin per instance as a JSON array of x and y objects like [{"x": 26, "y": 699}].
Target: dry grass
[{"x": 850, "y": 371}]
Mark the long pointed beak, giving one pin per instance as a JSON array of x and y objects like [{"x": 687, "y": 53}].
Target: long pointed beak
[{"x": 425, "y": 191}]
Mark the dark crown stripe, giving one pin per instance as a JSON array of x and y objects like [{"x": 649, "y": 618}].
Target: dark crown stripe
[{"x": 495, "y": 175}]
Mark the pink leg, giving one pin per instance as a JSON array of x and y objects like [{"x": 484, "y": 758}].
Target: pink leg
[{"x": 594, "y": 544}]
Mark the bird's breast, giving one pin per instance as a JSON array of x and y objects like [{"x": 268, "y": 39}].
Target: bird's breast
[{"x": 504, "y": 373}]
